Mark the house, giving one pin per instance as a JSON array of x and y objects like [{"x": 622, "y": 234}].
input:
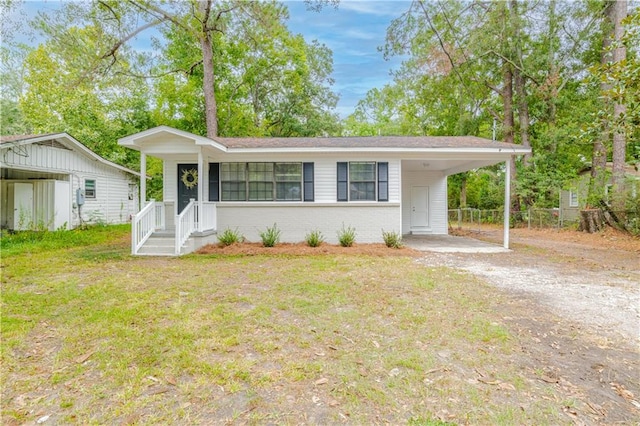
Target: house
[
  {"x": 53, "y": 181},
  {"x": 395, "y": 184},
  {"x": 574, "y": 197}
]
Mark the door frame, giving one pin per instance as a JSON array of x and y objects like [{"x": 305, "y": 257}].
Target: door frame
[{"x": 427, "y": 224}]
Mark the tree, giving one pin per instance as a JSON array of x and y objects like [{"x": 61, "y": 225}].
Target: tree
[{"x": 205, "y": 27}]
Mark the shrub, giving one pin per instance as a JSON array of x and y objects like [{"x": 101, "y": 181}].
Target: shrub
[
  {"x": 347, "y": 236},
  {"x": 392, "y": 239},
  {"x": 314, "y": 238},
  {"x": 229, "y": 237},
  {"x": 271, "y": 236}
]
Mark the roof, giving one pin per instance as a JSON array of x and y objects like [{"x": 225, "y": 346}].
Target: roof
[
  {"x": 60, "y": 140},
  {"x": 342, "y": 144},
  {"x": 402, "y": 142}
]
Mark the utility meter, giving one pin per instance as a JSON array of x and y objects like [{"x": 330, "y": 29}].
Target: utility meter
[{"x": 80, "y": 196}]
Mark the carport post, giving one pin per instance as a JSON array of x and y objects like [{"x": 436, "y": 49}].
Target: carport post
[{"x": 507, "y": 202}]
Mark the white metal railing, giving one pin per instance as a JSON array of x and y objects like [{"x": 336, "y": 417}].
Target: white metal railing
[
  {"x": 186, "y": 223},
  {"x": 142, "y": 226},
  {"x": 208, "y": 216}
]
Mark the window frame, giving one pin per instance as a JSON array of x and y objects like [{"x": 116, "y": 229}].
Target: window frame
[
  {"x": 92, "y": 193},
  {"x": 276, "y": 180},
  {"x": 573, "y": 198},
  {"x": 346, "y": 183}
]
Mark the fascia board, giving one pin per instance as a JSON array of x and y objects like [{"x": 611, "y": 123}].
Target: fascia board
[
  {"x": 502, "y": 152},
  {"x": 74, "y": 144}
]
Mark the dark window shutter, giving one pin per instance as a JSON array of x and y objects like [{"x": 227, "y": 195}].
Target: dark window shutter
[
  {"x": 343, "y": 181},
  {"x": 307, "y": 177},
  {"x": 214, "y": 181},
  {"x": 383, "y": 181}
]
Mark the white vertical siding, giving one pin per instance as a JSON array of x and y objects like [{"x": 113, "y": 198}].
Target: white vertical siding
[
  {"x": 170, "y": 180},
  {"x": 437, "y": 184},
  {"x": 111, "y": 204}
]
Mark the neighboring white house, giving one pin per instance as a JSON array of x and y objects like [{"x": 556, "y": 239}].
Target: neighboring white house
[
  {"x": 53, "y": 181},
  {"x": 396, "y": 184}
]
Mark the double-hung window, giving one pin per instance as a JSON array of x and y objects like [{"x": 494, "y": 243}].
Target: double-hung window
[
  {"x": 90, "y": 188},
  {"x": 288, "y": 181},
  {"x": 261, "y": 181},
  {"x": 573, "y": 199},
  {"x": 362, "y": 181},
  {"x": 234, "y": 182},
  {"x": 358, "y": 181}
]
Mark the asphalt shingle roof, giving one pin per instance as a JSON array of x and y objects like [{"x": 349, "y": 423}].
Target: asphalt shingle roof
[{"x": 418, "y": 142}]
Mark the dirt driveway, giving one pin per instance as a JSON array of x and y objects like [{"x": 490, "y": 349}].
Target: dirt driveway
[
  {"x": 592, "y": 280},
  {"x": 578, "y": 297}
]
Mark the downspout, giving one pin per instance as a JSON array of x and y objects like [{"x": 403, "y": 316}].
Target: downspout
[{"x": 507, "y": 202}]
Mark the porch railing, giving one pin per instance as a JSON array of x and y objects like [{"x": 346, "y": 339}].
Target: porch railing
[
  {"x": 143, "y": 225},
  {"x": 186, "y": 223},
  {"x": 160, "y": 216},
  {"x": 208, "y": 216}
]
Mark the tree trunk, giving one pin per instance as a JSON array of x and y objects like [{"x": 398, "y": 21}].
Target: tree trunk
[
  {"x": 519, "y": 82},
  {"x": 618, "y": 12},
  {"x": 209, "y": 79},
  {"x": 591, "y": 220},
  {"x": 463, "y": 191},
  {"x": 599, "y": 159},
  {"x": 507, "y": 102}
]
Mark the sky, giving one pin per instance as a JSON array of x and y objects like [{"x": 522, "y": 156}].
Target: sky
[{"x": 353, "y": 31}]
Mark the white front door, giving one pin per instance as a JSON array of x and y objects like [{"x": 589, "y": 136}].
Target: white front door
[
  {"x": 419, "y": 208},
  {"x": 22, "y": 206}
]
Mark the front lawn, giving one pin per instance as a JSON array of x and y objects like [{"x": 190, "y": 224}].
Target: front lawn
[{"x": 91, "y": 335}]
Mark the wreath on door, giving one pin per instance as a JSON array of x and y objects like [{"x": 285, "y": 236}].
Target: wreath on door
[{"x": 189, "y": 178}]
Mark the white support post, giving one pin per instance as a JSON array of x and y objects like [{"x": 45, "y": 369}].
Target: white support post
[
  {"x": 507, "y": 202},
  {"x": 143, "y": 180},
  {"x": 200, "y": 190}
]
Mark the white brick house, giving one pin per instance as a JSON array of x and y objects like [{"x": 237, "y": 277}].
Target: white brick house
[{"x": 398, "y": 184}]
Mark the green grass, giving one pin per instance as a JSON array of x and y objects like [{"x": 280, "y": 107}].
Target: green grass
[{"x": 93, "y": 335}]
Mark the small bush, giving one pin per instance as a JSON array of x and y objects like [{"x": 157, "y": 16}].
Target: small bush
[
  {"x": 271, "y": 236},
  {"x": 314, "y": 238},
  {"x": 347, "y": 236},
  {"x": 392, "y": 239},
  {"x": 229, "y": 237}
]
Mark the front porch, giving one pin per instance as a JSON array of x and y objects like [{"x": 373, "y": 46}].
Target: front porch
[{"x": 156, "y": 230}]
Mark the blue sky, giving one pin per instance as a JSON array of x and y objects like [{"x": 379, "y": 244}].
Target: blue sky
[{"x": 353, "y": 31}]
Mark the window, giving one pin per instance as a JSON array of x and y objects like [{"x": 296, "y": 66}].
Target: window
[
  {"x": 90, "y": 188},
  {"x": 234, "y": 183},
  {"x": 289, "y": 181},
  {"x": 573, "y": 199},
  {"x": 260, "y": 181},
  {"x": 264, "y": 182},
  {"x": 357, "y": 181}
]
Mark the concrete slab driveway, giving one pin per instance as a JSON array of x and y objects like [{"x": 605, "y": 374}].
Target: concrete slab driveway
[{"x": 450, "y": 244}]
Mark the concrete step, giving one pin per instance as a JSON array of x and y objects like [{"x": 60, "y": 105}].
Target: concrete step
[
  {"x": 159, "y": 245},
  {"x": 156, "y": 251}
]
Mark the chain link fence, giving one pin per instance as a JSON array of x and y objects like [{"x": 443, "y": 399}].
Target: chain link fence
[{"x": 472, "y": 219}]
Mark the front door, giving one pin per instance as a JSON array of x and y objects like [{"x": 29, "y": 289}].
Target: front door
[
  {"x": 419, "y": 207},
  {"x": 187, "y": 184}
]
